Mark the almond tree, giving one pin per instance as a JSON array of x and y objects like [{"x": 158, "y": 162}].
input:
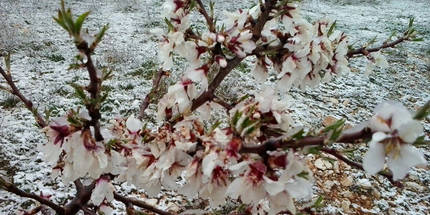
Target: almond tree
[{"x": 257, "y": 156}]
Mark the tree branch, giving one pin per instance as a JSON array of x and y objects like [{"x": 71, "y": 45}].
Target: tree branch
[
  {"x": 262, "y": 19},
  {"x": 28, "y": 104},
  {"x": 83, "y": 195},
  {"x": 209, "y": 19},
  {"x": 139, "y": 203},
  {"x": 155, "y": 86},
  {"x": 94, "y": 89},
  {"x": 359, "y": 166},
  {"x": 365, "y": 50},
  {"x": 307, "y": 141},
  {"x": 13, "y": 189}
]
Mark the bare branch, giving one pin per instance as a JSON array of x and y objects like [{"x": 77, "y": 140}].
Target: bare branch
[
  {"x": 83, "y": 195},
  {"x": 148, "y": 99},
  {"x": 359, "y": 166},
  {"x": 209, "y": 19},
  {"x": 140, "y": 204},
  {"x": 94, "y": 88},
  {"x": 28, "y": 104},
  {"x": 13, "y": 189},
  {"x": 365, "y": 50},
  {"x": 307, "y": 141}
]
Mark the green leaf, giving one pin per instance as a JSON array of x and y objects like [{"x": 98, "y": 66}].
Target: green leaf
[
  {"x": 334, "y": 126},
  {"x": 169, "y": 24},
  {"x": 237, "y": 115},
  {"x": 318, "y": 202},
  {"x": 423, "y": 112},
  {"x": 79, "y": 92},
  {"x": 420, "y": 141},
  {"x": 411, "y": 22},
  {"x": 99, "y": 37},
  {"x": 417, "y": 39},
  {"x": 214, "y": 126},
  {"x": 332, "y": 27},
  {"x": 80, "y": 20},
  {"x": 304, "y": 174},
  {"x": 314, "y": 150},
  {"x": 299, "y": 135}
]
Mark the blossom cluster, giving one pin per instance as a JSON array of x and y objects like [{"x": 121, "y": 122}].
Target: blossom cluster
[
  {"x": 186, "y": 158},
  {"x": 304, "y": 54}
]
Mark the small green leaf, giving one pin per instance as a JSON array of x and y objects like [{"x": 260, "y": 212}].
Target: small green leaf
[
  {"x": 99, "y": 37},
  {"x": 423, "y": 112},
  {"x": 411, "y": 22},
  {"x": 237, "y": 115},
  {"x": 169, "y": 24},
  {"x": 420, "y": 141},
  {"x": 318, "y": 202},
  {"x": 304, "y": 175},
  {"x": 334, "y": 126},
  {"x": 214, "y": 126},
  {"x": 332, "y": 27},
  {"x": 80, "y": 20},
  {"x": 299, "y": 135},
  {"x": 79, "y": 92},
  {"x": 417, "y": 39}
]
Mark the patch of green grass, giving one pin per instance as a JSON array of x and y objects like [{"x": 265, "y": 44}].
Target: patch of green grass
[
  {"x": 9, "y": 102},
  {"x": 55, "y": 58},
  {"x": 127, "y": 87},
  {"x": 243, "y": 68},
  {"x": 146, "y": 70}
]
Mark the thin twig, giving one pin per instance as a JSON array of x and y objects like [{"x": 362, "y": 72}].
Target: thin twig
[
  {"x": 223, "y": 103},
  {"x": 28, "y": 104},
  {"x": 359, "y": 166},
  {"x": 14, "y": 189},
  {"x": 140, "y": 204},
  {"x": 365, "y": 50},
  {"x": 155, "y": 87},
  {"x": 209, "y": 19}
]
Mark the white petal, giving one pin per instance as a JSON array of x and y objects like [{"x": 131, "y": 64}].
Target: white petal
[
  {"x": 374, "y": 159},
  {"x": 133, "y": 124},
  {"x": 272, "y": 187},
  {"x": 410, "y": 131},
  {"x": 409, "y": 157}
]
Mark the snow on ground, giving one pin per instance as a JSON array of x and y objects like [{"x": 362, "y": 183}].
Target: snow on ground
[{"x": 43, "y": 51}]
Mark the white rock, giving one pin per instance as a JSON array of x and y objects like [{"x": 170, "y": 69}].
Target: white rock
[{"x": 323, "y": 164}]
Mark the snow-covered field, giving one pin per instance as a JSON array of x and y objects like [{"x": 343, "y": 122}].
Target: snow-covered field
[{"x": 42, "y": 53}]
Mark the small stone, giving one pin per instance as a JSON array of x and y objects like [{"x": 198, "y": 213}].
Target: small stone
[
  {"x": 410, "y": 185},
  {"x": 334, "y": 101},
  {"x": 345, "y": 205},
  {"x": 323, "y": 164},
  {"x": 336, "y": 167},
  {"x": 346, "y": 102},
  {"x": 173, "y": 207},
  {"x": 364, "y": 183},
  {"x": 329, "y": 120},
  {"x": 376, "y": 193},
  {"x": 347, "y": 194},
  {"x": 346, "y": 181},
  {"x": 328, "y": 184}
]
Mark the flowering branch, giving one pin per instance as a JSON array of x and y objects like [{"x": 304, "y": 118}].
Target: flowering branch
[
  {"x": 13, "y": 189},
  {"x": 139, "y": 203},
  {"x": 93, "y": 88},
  {"x": 28, "y": 104}
]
